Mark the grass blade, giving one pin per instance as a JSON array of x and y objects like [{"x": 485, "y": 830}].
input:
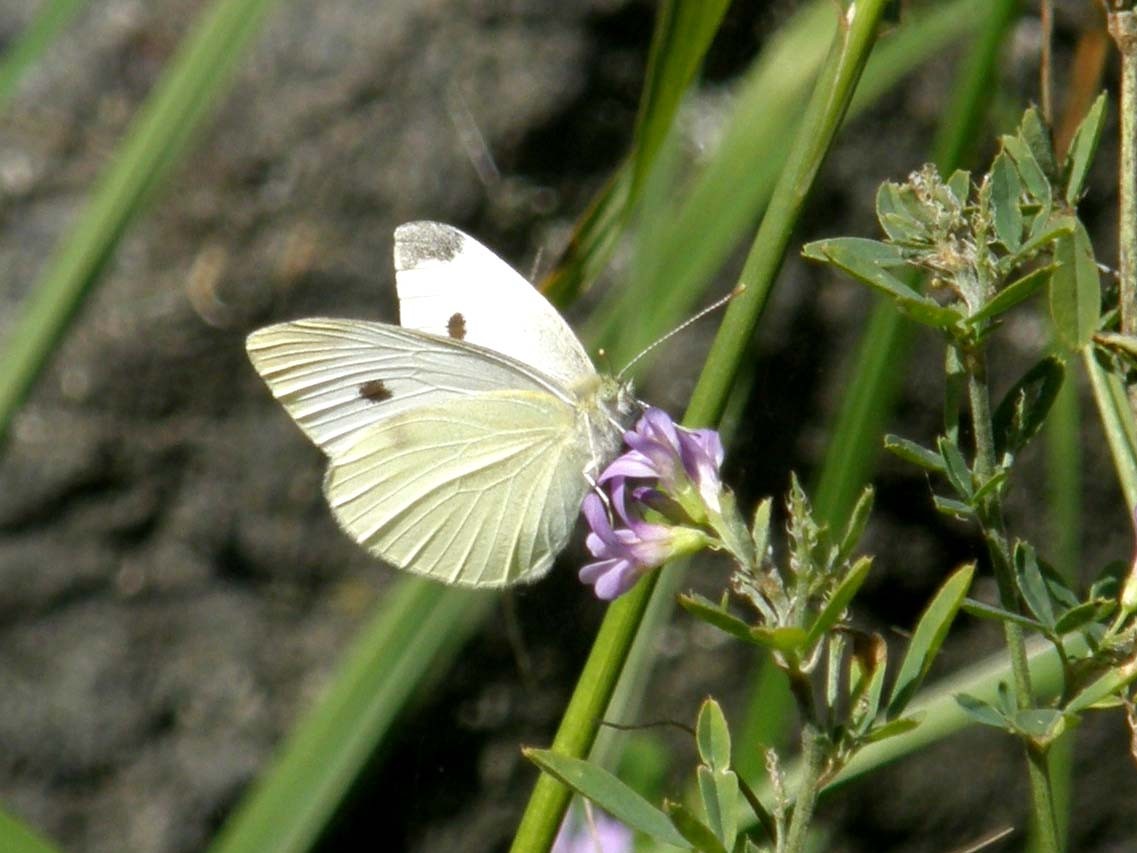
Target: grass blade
[
  {"x": 683, "y": 32},
  {"x": 416, "y": 627},
  {"x": 157, "y": 136},
  {"x": 16, "y": 837},
  {"x": 37, "y": 37}
]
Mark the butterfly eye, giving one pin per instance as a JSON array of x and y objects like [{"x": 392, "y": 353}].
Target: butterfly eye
[
  {"x": 375, "y": 391},
  {"x": 456, "y": 327}
]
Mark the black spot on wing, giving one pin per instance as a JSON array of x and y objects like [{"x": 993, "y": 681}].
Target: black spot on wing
[
  {"x": 456, "y": 327},
  {"x": 420, "y": 242},
  {"x": 375, "y": 391}
]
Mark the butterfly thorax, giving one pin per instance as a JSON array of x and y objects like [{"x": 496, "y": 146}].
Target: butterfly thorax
[{"x": 609, "y": 407}]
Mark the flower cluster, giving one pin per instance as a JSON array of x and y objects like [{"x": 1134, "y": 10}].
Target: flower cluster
[{"x": 665, "y": 497}]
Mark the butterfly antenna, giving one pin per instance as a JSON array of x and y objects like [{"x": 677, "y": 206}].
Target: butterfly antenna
[{"x": 714, "y": 306}]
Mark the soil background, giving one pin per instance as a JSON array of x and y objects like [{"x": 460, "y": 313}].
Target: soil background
[{"x": 173, "y": 591}]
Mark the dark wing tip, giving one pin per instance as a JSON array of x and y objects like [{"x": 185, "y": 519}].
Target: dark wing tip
[{"x": 417, "y": 243}]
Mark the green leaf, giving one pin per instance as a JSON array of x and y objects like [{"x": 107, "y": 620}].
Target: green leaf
[
  {"x": 858, "y": 519},
  {"x": 785, "y": 639},
  {"x": 982, "y": 712},
  {"x": 960, "y": 185},
  {"x": 1036, "y": 135},
  {"x": 713, "y": 736},
  {"x": 1083, "y": 614},
  {"x": 953, "y": 508},
  {"x": 1082, "y": 149},
  {"x": 1039, "y": 724},
  {"x": 1006, "y": 190},
  {"x": 839, "y": 600},
  {"x": 1031, "y": 174},
  {"x": 995, "y": 483},
  {"x": 760, "y": 530},
  {"x": 693, "y": 830},
  {"x": 1075, "y": 289},
  {"x": 1022, "y": 412},
  {"x": 1028, "y": 577},
  {"x": 718, "y": 790},
  {"x": 1108, "y": 685},
  {"x": 867, "y": 667},
  {"x": 868, "y": 262},
  {"x": 1045, "y": 229},
  {"x": 603, "y": 788},
  {"x": 1011, "y": 295},
  {"x": 955, "y": 467},
  {"x": 711, "y": 613},
  {"x": 928, "y": 637},
  {"x": 899, "y": 216},
  {"x": 912, "y": 452},
  {"x": 983, "y": 610},
  {"x": 899, "y": 726}
]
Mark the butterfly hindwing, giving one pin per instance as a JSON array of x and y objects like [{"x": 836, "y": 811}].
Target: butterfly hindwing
[
  {"x": 451, "y": 285},
  {"x": 479, "y": 491}
]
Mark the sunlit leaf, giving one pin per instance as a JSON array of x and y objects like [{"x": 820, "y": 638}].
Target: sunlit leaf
[
  {"x": 912, "y": 452},
  {"x": 601, "y": 787},
  {"x": 928, "y": 637},
  {"x": 1005, "y": 192},
  {"x": 982, "y": 712},
  {"x": 1075, "y": 289},
  {"x": 712, "y": 736},
  {"x": 696, "y": 833},
  {"x": 839, "y": 600},
  {"x": 1082, "y": 148}
]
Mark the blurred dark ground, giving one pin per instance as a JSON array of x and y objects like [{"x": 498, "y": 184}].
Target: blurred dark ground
[{"x": 172, "y": 595}]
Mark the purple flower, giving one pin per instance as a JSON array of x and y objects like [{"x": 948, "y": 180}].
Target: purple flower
[
  {"x": 685, "y": 492},
  {"x": 622, "y": 554},
  {"x": 678, "y": 458},
  {"x": 601, "y": 834}
]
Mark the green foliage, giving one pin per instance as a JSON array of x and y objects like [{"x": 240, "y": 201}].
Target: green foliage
[
  {"x": 1075, "y": 289},
  {"x": 978, "y": 246},
  {"x": 928, "y": 637},
  {"x": 607, "y": 791},
  {"x": 1023, "y": 410}
]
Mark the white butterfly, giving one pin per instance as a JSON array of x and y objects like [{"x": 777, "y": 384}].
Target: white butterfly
[{"x": 462, "y": 442}]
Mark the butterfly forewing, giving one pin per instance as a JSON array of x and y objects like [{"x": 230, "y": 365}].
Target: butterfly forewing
[
  {"x": 338, "y": 377},
  {"x": 451, "y": 285},
  {"x": 476, "y": 492}
]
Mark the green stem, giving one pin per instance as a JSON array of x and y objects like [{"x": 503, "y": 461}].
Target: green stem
[
  {"x": 1123, "y": 28},
  {"x": 597, "y": 682},
  {"x": 823, "y": 116},
  {"x": 813, "y": 754},
  {"x": 991, "y": 519}
]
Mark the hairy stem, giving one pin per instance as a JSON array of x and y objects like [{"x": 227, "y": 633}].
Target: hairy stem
[
  {"x": 991, "y": 520},
  {"x": 813, "y": 754}
]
